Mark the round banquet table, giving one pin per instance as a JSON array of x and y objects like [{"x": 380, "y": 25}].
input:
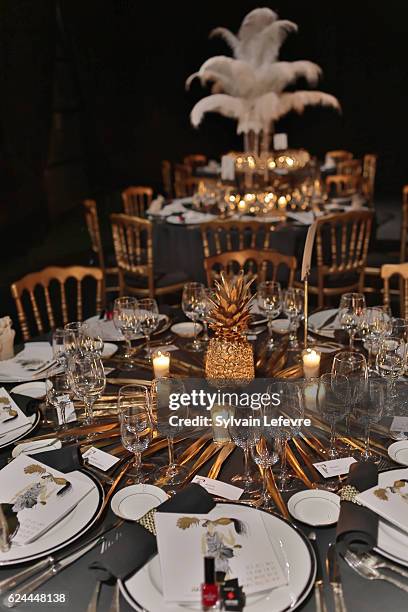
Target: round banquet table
[{"x": 78, "y": 583}]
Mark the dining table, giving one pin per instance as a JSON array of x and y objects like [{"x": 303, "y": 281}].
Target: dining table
[{"x": 77, "y": 582}]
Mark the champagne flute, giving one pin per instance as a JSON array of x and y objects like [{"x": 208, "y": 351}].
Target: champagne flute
[
  {"x": 148, "y": 315},
  {"x": 192, "y": 304},
  {"x": 351, "y": 311},
  {"x": 293, "y": 303},
  {"x": 136, "y": 427},
  {"x": 333, "y": 395},
  {"x": 87, "y": 379},
  {"x": 126, "y": 321},
  {"x": 368, "y": 412},
  {"x": 269, "y": 298},
  {"x": 242, "y": 436}
]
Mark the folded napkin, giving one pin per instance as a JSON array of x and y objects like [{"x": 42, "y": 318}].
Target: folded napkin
[
  {"x": 357, "y": 527},
  {"x": 67, "y": 459},
  {"x": 27, "y": 405},
  {"x": 306, "y": 217},
  {"x": 134, "y": 545},
  {"x": 6, "y": 339},
  {"x": 156, "y": 205},
  {"x": 29, "y": 364},
  {"x": 176, "y": 207},
  {"x": 194, "y": 216}
]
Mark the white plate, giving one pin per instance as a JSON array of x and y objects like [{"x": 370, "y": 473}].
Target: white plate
[
  {"x": 19, "y": 434},
  {"x": 109, "y": 349},
  {"x": 392, "y": 542},
  {"x": 399, "y": 452},
  {"x": 69, "y": 529},
  {"x": 280, "y": 326},
  {"x": 318, "y": 318},
  {"x": 108, "y": 332},
  {"x": 36, "y": 390},
  {"x": 38, "y": 446},
  {"x": 315, "y": 507},
  {"x": 133, "y": 502},
  {"x": 185, "y": 330},
  {"x": 143, "y": 590}
]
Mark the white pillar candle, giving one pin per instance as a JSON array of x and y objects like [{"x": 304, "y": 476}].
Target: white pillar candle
[
  {"x": 161, "y": 364},
  {"x": 280, "y": 141},
  {"x": 311, "y": 363}
]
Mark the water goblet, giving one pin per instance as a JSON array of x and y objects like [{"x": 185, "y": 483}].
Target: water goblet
[
  {"x": 391, "y": 363},
  {"x": 354, "y": 366},
  {"x": 86, "y": 376},
  {"x": 333, "y": 395},
  {"x": 148, "y": 316},
  {"x": 242, "y": 435},
  {"x": 351, "y": 311},
  {"x": 192, "y": 304},
  {"x": 59, "y": 395},
  {"x": 126, "y": 321},
  {"x": 293, "y": 303},
  {"x": 369, "y": 412}
]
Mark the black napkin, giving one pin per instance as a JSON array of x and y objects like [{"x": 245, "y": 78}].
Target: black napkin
[
  {"x": 65, "y": 459},
  {"x": 28, "y": 405},
  {"x": 133, "y": 545},
  {"x": 357, "y": 527}
]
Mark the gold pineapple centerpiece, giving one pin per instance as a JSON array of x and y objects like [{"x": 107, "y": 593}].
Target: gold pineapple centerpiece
[{"x": 229, "y": 354}]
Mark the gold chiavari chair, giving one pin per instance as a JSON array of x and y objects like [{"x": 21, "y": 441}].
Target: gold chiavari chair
[
  {"x": 401, "y": 270},
  {"x": 167, "y": 178},
  {"x": 369, "y": 172},
  {"x": 341, "y": 252},
  {"x": 265, "y": 265},
  {"x": 221, "y": 236},
  {"x": 182, "y": 173},
  {"x": 339, "y": 155},
  {"x": 136, "y": 200},
  {"x": 54, "y": 290},
  {"x": 133, "y": 243},
  {"x": 195, "y": 160},
  {"x": 352, "y": 167},
  {"x": 342, "y": 185},
  {"x": 92, "y": 223}
]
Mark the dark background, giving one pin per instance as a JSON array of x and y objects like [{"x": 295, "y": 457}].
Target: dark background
[{"x": 92, "y": 94}]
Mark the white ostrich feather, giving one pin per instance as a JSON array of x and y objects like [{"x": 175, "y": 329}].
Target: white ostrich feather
[
  {"x": 265, "y": 47},
  {"x": 228, "y": 75},
  {"x": 228, "y": 106},
  {"x": 298, "y": 100},
  {"x": 278, "y": 76},
  {"x": 230, "y": 38}
]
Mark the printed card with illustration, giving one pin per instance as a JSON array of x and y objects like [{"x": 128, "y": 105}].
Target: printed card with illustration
[
  {"x": 11, "y": 417},
  {"x": 37, "y": 496},
  {"x": 389, "y": 499},
  {"x": 238, "y": 541}
]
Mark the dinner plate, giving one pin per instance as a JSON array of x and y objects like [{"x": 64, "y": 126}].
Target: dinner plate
[
  {"x": 70, "y": 528},
  {"x": 392, "y": 542},
  {"x": 109, "y": 333},
  {"x": 318, "y": 318},
  {"x": 143, "y": 590},
  {"x": 36, "y": 390},
  {"x": 399, "y": 452},
  {"x": 18, "y": 434},
  {"x": 131, "y": 503},
  {"x": 109, "y": 349},
  {"x": 315, "y": 507},
  {"x": 185, "y": 330}
]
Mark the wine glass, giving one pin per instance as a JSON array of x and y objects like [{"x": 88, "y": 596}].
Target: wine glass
[
  {"x": 126, "y": 321},
  {"x": 73, "y": 337},
  {"x": 333, "y": 395},
  {"x": 269, "y": 298},
  {"x": 368, "y": 412},
  {"x": 354, "y": 366},
  {"x": 374, "y": 324},
  {"x": 192, "y": 304},
  {"x": 399, "y": 328},
  {"x": 391, "y": 363},
  {"x": 92, "y": 338},
  {"x": 293, "y": 303},
  {"x": 264, "y": 454},
  {"x": 148, "y": 315},
  {"x": 58, "y": 344},
  {"x": 136, "y": 427},
  {"x": 205, "y": 311},
  {"x": 351, "y": 311},
  {"x": 59, "y": 395},
  {"x": 242, "y": 436},
  {"x": 87, "y": 379}
]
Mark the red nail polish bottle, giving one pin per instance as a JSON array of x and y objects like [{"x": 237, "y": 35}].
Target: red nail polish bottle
[{"x": 209, "y": 589}]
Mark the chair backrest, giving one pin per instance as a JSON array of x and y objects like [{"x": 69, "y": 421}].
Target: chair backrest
[
  {"x": 53, "y": 290},
  {"x": 265, "y": 265},
  {"x": 404, "y": 224},
  {"x": 342, "y": 242},
  {"x": 136, "y": 200},
  {"x": 350, "y": 166},
  {"x": 339, "y": 155},
  {"x": 369, "y": 172},
  {"x": 92, "y": 223},
  {"x": 167, "y": 178},
  {"x": 342, "y": 184},
  {"x": 133, "y": 244},
  {"x": 221, "y": 236},
  {"x": 195, "y": 160},
  {"x": 182, "y": 173},
  {"x": 389, "y": 270}
]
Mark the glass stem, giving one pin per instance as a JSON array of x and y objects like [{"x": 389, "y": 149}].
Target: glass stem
[
  {"x": 171, "y": 452},
  {"x": 137, "y": 462},
  {"x": 366, "y": 452},
  {"x": 89, "y": 410},
  {"x": 333, "y": 438},
  {"x": 283, "y": 472},
  {"x": 352, "y": 335},
  {"x": 205, "y": 335},
  {"x": 128, "y": 345},
  {"x": 246, "y": 464},
  {"x": 265, "y": 483},
  {"x": 147, "y": 336}
]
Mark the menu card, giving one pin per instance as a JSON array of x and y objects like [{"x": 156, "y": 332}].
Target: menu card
[
  {"x": 11, "y": 417},
  {"x": 38, "y": 495},
  {"x": 389, "y": 499},
  {"x": 236, "y": 538}
]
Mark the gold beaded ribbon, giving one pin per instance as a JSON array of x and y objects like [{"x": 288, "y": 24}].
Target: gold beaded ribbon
[
  {"x": 349, "y": 493},
  {"x": 147, "y": 521}
]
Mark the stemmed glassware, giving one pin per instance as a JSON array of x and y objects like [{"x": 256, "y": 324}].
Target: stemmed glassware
[
  {"x": 148, "y": 316},
  {"x": 58, "y": 344},
  {"x": 59, "y": 395},
  {"x": 399, "y": 328},
  {"x": 374, "y": 325},
  {"x": 136, "y": 426},
  {"x": 243, "y": 437},
  {"x": 264, "y": 454},
  {"x": 125, "y": 319},
  {"x": 391, "y": 363},
  {"x": 354, "y": 366},
  {"x": 73, "y": 337},
  {"x": 206, "y": 307},
  {"x": 351, "y": 311},
  {"x": 333, "y": 396},
  {"x": 269, "y": 298},
  {"x": 92, "y": 340},
  {"x": 87, "y": 379},
  {"x": 192, "y": 304},
  {"x": 368, "y": 412},
  {"x": 293, "y": 303}
]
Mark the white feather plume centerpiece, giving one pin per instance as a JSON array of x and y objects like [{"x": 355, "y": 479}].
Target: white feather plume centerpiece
[{"x": 251, "y": 86}]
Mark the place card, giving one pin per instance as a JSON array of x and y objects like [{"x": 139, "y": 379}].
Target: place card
[
  {"x": 399, "y": 423},
  {"x": 334, "y": 467},
  {"x": 99, "y": 459},
  {"x": 70, "y": 414},
  {"x": 218, "y": 488}
]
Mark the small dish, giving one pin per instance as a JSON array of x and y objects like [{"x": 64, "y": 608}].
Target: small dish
[
  {"x": 131, "y": 503},
  {"x": 36, "y": 390},
  {"x": 109, "y": 349},
  {"x": 315, "y": 507},
  {"x": 398, "y": 451},
  {"x": 280, "y": 326},
  {"x": 185, "y": 330}
]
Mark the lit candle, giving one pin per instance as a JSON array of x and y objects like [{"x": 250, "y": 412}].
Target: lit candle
[
  {"x": 161, "y": 364},
  {"x": 311, "y": 363},
  {"x": 242, "y": 206}
]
